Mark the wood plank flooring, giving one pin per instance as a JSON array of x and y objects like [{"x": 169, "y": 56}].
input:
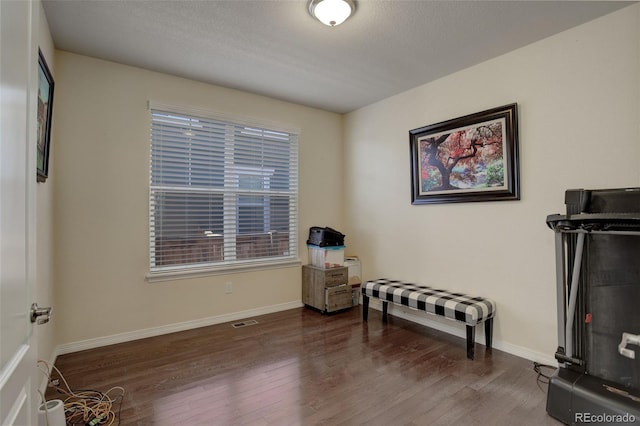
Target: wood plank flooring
[{"x": 299, "y": 367}]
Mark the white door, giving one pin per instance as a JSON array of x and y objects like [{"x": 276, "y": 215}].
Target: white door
[{"x": 18, "y": 65}]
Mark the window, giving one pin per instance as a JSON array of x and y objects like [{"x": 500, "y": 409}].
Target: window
[{"x": 223, "y": 194}]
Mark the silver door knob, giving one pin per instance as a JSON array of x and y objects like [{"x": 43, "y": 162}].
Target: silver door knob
[{"x": 40, "y": 315}]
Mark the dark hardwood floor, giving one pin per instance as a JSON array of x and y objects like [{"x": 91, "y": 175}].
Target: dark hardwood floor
[{"x": 299, "y": 367}]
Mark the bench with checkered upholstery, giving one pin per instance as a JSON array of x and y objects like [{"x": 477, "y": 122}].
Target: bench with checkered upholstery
[{"x": 455, "y": 306}]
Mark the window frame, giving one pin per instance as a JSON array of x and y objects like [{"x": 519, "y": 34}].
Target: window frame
[{"x": 232, "y": 265}]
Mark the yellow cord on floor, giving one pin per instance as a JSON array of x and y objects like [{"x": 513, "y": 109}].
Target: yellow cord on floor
[{"x": 87, "y": 407}]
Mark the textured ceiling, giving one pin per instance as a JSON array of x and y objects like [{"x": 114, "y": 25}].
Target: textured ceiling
[{"x": 275, "y": 48}]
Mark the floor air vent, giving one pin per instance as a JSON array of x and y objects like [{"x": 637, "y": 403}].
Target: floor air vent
[{"x": 244, "y": 323}]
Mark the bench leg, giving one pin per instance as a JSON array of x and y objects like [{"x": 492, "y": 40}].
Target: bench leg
[
  {"x": 385, "y": 306},
  {"x": 365, "y": 307},
  {"x": 488, "y": 332},
  {"x": 471, "y": 340}
]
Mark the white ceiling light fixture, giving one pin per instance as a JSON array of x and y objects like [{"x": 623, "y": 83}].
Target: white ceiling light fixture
[{"x": 331, "y": 12}]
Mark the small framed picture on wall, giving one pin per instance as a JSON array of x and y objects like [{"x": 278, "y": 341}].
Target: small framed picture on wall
[{"x": 45, "y": 108}]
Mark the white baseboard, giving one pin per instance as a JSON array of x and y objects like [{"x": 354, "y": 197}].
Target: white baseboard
[
  {"x": 170, "y": 328},
  {"x": 397, "y": 311},
  {"x": 442, "y": 325}
]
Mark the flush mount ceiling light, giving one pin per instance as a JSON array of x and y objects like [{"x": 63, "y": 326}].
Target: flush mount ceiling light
[{"x": 331, "y": 12}]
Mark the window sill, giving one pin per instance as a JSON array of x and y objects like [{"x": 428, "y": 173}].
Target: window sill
[{"x": 173, "y": 275}]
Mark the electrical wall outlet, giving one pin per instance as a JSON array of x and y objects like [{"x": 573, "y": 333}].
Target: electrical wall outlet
[{"x": 228, "y": 287}]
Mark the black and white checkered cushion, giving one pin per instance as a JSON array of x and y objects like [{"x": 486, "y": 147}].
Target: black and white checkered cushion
[{"x": 455, "y": 306}]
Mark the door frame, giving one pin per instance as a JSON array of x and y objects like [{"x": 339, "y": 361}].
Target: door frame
[{"x": 19, "y": 374}]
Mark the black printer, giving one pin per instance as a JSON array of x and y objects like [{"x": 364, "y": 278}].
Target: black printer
[{"x": 325, "y": 237}]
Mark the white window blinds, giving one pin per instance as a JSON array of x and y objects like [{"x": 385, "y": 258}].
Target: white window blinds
[{"x": 222, "y": 193}]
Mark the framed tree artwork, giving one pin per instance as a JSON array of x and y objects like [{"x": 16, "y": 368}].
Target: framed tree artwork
[
  {"x": 45, "y": 108},
  {"x": 470, "y": 158}
]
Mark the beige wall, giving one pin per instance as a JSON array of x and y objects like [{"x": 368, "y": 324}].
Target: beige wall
[
  {"x": 101, "y": 200},
  {"x": 578, "y": 95},
  {"x": 45, "y": 292}
]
